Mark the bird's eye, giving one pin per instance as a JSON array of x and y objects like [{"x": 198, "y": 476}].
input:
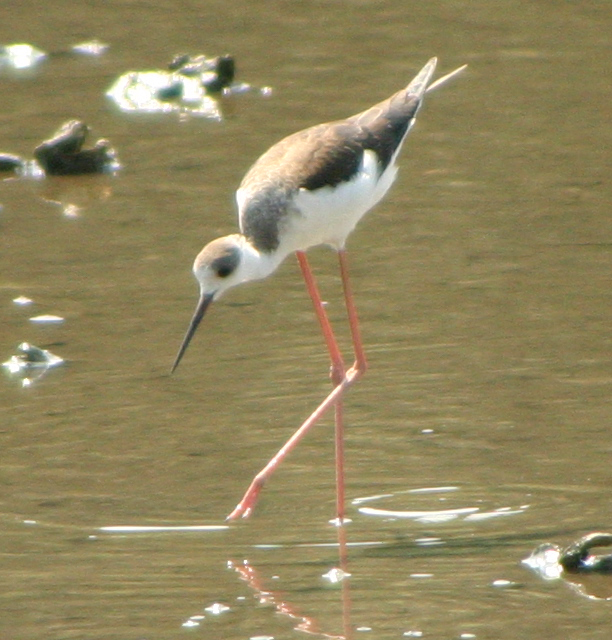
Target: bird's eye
[
  {"x": 224, "y": 265},
  {"x": 223, "y": 272}
]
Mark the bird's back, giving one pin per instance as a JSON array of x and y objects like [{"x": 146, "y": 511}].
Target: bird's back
[{"x": 308, "y": 166}]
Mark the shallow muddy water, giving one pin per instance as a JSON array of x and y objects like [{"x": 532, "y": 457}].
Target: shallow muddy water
[{"x": 483, "y": 285}]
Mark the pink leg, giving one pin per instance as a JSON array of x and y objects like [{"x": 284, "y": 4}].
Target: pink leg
[
  {"x": 339, "y": 447},
  {"x": 338, "y": 368},
  {"x": 342, "y": 380},
  {"x": 357, "y": 370},
  {"x": 360, "y": 364},
  {"x": 337, "y": 375}
]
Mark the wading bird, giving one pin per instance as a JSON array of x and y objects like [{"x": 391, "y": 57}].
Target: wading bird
[{"x": 311, "y": 188}]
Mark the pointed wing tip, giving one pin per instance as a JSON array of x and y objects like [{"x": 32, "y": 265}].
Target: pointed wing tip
[{"x": 418, "y": 85}]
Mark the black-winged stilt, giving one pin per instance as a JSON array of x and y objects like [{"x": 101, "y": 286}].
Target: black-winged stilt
[{"x": 311, "y": 188}]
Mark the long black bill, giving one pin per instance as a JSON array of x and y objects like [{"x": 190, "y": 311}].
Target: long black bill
[{"x": 203, "y": 303}]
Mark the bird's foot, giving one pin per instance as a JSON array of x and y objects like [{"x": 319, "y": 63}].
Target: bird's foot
[{"x": 245, "y": 507}]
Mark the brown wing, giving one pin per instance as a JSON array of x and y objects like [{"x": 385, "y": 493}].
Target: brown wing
[{"x": 321, "y": 156}]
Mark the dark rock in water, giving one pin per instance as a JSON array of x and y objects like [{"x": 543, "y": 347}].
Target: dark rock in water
[
  {"x": 179, "y": 61},
  {"x": 215, "y": 73},
  {"x": 173, "y": 91},
  {"x": 222, "y": 75},
  {"x": 63, "y": 153},
  {"x": 10, "y": 162},
  {"x": 69, "y": 138},
  {"x": 577, "y": 557}
]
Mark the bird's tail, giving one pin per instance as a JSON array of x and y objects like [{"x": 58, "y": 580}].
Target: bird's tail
[
  {"x": 443, "y": 79},
  {"x": 420, "y": 84}
]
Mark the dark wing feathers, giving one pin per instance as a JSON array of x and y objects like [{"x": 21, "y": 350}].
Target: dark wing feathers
[
  {"x": 321, "y": 156},
  {"x": 327, "y": 154},
  {"x": 385, "y": 125}
]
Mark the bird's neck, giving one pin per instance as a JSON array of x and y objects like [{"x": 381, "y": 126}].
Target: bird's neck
[{"x": 256, "y": 264}]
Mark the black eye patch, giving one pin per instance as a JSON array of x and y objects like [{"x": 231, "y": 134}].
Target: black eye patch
[
  {"x": 226, "y": 264},
  {"x": 224, "y": 271}
]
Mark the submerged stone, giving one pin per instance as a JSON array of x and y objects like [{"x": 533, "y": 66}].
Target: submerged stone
[
  {"x": 189, "y": 85},
  {"x": 29, "y": 355},
  {"x": 30, "y": 363}
]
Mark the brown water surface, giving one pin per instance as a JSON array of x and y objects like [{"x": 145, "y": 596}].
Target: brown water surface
[{"x": 483, "y": 284}]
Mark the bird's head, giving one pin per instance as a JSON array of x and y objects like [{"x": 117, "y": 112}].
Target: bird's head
[
  {"x": 222, "y": 264},
  {"x": 216, "y": 268}
]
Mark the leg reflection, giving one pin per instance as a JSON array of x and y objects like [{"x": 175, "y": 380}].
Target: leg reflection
[{"x": 304, "y": 623}]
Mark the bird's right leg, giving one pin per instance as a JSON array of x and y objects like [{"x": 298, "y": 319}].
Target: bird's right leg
[
  {"x": 341, "y": 380},
  {"x": 337, "y": 363}
]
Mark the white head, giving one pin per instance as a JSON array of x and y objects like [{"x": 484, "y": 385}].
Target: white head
[{"x": 222, "y": 264}]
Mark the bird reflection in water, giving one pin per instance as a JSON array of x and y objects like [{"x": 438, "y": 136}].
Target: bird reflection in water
[{"x": 305, "y": 623}]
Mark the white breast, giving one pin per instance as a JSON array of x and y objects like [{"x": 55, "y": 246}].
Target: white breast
[{"x": 328, "y": 215}]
